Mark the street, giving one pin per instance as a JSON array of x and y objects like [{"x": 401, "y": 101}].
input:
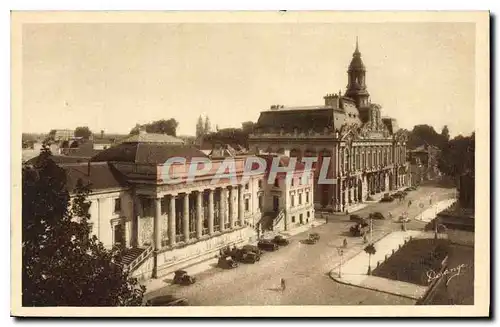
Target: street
[{"x": 305, "y": 267}]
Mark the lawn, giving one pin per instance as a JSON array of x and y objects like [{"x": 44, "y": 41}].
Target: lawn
[{"x": 414, "y": 262}]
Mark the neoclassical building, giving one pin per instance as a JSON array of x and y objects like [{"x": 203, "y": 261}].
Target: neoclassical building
[
  {"x": 366, "y": 152},
  {"x": 167, "y": 226}
]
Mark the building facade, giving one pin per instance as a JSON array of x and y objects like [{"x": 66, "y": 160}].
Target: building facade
[
  {"x": 364, "y": 153},
  {"x": 167, "y": 226}
]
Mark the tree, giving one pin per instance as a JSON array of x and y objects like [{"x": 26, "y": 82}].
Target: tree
[
  {"x": 445, "y": 133},
  {"x": 424, "y": 135},
  {"x": 247, "y": 126},
  {"x": 162, "y": 126},
  {"x": 457, "y": 157},
  {"x": 83, "y": 131},
  {"x": 63, "y": 264},
  {"x": 199, "y": 128},
  {"x": 370, "y": 249}
]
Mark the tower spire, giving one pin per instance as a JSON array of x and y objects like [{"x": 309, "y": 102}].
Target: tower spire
[{"x": 357, "y": 47}]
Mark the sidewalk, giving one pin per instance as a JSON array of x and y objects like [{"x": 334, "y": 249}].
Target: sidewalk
[{"x": 355, "y": 270}]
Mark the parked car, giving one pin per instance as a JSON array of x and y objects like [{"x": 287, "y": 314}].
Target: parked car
[
  {"x": 310, "y": 240},
  {"x": 267, "y": 245},
  {"x": 356, "y": 218},
  {"x": 360, "y": 229},
  {"x": 377, "y": 215},
  {"x": 167, "y": 300},
  {"x": 227, "y": 262},
  {"x": 252, "y": 248},
  {"x": 245, "y": 256},
  {"x": 280, "y": 240},
  {"x": 181, "y": 277},
  {"x": 387, "y": 198},
  {"x": 314, "y": 236}
]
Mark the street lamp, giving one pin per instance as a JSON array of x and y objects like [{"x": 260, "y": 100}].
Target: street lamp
[{"x": 341, "y": 253}]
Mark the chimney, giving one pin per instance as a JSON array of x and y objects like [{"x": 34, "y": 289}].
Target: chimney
[{"x": 332, "y": 100}]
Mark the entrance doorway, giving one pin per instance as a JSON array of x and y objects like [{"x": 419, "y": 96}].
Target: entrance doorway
[
  {"x": 276, "y": 203},
  {"x": 119, "y": 237}
]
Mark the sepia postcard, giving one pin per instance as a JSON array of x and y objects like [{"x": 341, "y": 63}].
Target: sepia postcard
[{"x": 250, "y": 164}]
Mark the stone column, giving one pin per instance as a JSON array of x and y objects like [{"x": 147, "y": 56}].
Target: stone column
[
  {"x": 171, "y": 221},
  {"x": 134, "y": 222},
  {"x": 199, "y": 217},
  {"x": 231, "y": 207},
  {"x": 223, "y": 203},
  {"x": 355, "y": 190},
  {"x": 210, "y": 211},
  {"x": 157, "y": 225},
  {"x": 241, "y": 208},
  {"x": 156, "y": 235},
  {"x": 185, "y": 218}
]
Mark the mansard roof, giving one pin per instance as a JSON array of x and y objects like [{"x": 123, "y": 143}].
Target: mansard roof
[{"x": 100, "y": 176}]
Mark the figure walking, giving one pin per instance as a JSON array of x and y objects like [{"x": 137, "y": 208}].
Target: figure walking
[
  {"x": 345, "y": 242},
  {"x": 283, "y": 286},
  {"x": 409, "y": 203}
]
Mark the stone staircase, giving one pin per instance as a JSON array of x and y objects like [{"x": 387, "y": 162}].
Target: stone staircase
[{"x": 133, "y": 257}]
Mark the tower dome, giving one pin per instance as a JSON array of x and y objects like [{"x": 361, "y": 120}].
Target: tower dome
[{"x": 356, "y": 86}]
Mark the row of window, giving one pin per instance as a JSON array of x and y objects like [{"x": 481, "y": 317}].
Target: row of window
[
  {"x": 361, "y": 158},
  {"x": 292, "y": 197},
  {"x": 301, "y": 218}
]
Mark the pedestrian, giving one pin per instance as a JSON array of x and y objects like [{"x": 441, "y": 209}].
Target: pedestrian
[
  {"x": 345, "y": 242},
  {"x": 365, "y": 240},
  {"x": 409, "y": 203},
  {"x": 283, "y": 286}
]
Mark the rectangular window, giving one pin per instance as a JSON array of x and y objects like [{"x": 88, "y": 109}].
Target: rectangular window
[
  {"x": 293, "y": 200},
  {"x": 247, "y": 204},
  {"x": 307, "y": 197},
  {"x": 300, "y": 198},
  {"x": 308, "y": 214},
  {"x": 260, "y": 183},
  {"x": 293, "y": 219},
  {"x": 260, "y": 203},
  {"x": 118, "y": 206},
  {"x": 246, "y": 186},
  {"x": 292, "y": 181},
  {"x": 276, "y": 182}
]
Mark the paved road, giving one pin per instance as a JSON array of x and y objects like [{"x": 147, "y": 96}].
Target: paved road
[{"x": 304, "y": 267}]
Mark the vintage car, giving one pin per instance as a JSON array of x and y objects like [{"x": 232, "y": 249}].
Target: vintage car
[
  {"x": 387, "y": 198},
  {"x": 356, "y": 218},
  {"x": 245, "y": 256},
  {"x": 310, "y": 240},
  {"x": 267, "y": 245},
  {"x": 280, "y": 240},
  {"x": 252, "y": 248},
  {"x": 377, "y": 215},
  {"x": 166, "y": 301},
  {"x": 227, "y": 262},
  {"x": 314, "y": 236},
  {"x": 181, "y": 277},
  {"x": 360, "y": 229}
]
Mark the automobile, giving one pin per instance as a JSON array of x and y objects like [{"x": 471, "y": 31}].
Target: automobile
[
  {"x": 167, "y": 301},
  {"x": 280, "y": 240},
  {"x": 227, "y": 262},
  {"x": 310, "y": 240},
  {"x": 377, "y": 215},
  {"x": 387, "y": 198},
  {"x": 356, "y": 218},
  {"x": 412, "y": 188},
  {"x": 181, "y": 277},
  {"x": 314, "y": 236},
  {"x": 267, "y": 245},
  {"x": 360, "y": 229},
  {"x": 245, "y": 256},
  {"x": 252, "y": 248}
]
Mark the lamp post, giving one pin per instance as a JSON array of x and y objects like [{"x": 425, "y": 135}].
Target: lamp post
[{"x": 341, "y": 253}]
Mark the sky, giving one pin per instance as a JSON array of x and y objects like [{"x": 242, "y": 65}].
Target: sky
[{"x": 111, "y": 76}]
